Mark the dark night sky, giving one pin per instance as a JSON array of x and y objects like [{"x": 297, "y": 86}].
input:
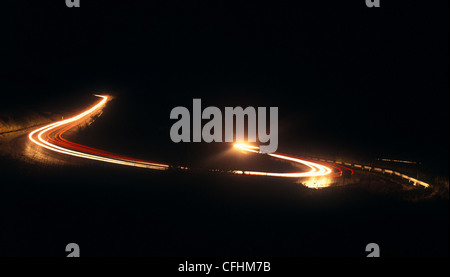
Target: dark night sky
[
  {"x": 342, "y": 75},
  {"x": 348, "y": 80}
]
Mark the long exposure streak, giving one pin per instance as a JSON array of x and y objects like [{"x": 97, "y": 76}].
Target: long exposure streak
[
  {"x": 316, "y": 169},
  {"x": 51, "y": 138}
]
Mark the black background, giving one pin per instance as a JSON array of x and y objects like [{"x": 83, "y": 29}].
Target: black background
[
  {"x": 372, "y": 80},
  {"x": 347, "y": 80}
]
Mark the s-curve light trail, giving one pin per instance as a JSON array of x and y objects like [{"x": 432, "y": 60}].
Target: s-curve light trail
[
  {"x": 50, "y": 137},
  {"x": 316, "y": 169}
]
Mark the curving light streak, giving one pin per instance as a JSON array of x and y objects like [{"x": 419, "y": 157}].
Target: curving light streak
[
  {"x": 50, "y": 137},
  {"x": 316, "y": 169},
  {"x": 37, "y": 135}
]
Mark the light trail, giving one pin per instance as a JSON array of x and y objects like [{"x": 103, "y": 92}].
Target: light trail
[
  {"x": 51, "y": 137},
  {"x": 316, "y": 169},
  {"x": 44, "y": 138}
]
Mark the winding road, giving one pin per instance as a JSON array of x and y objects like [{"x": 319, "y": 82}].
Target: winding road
[{"x": 51, "y": 137}]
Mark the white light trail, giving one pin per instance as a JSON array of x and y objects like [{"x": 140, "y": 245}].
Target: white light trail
[
  {"x": 64, "y": 123},
  {"x": 316, "y": 169}
]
